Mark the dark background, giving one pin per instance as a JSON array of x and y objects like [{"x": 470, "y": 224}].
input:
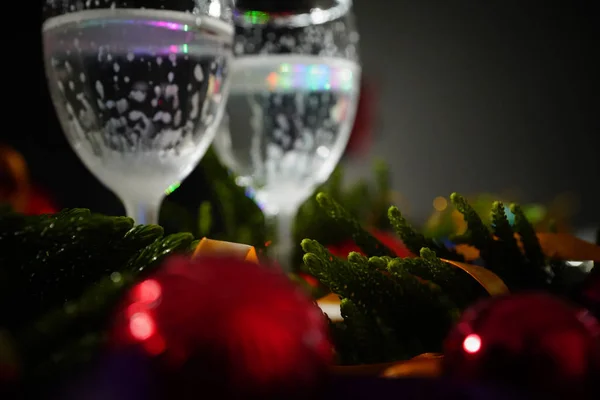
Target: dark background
[{"x": 474, "y": 97}]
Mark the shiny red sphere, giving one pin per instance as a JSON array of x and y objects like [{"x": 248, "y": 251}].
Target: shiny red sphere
[
  {"x": 534, "y": 341},
  {"x": 226, "y": 328}
]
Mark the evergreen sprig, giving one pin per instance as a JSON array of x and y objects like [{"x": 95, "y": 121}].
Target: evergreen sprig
[
  {"x": 62, "y": 275},
  {"x": 409, "y": 315},
  {"x": 350, "y": 225},
  {"x": 414, "y": 240},
  {"x": 498, "y": 245},
  {"x": 70, "y": 269},
  {"x": 408, "y": 303}
]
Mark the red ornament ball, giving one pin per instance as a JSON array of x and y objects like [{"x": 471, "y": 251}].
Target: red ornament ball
[
  {"x": 227, "y": 328},
  {"x": 534, "y": 341}
]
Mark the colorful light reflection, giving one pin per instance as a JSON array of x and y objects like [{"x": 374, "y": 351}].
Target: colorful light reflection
[
  {"x": 317, "y": 77},
  {"x": 172, "y": 26}
]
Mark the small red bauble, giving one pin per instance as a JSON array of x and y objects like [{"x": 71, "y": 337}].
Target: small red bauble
[
  {"x": 532, "y": 341},
  {"x": 227, "y": 328}
]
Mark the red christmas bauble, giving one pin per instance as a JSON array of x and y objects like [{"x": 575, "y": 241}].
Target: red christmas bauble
[
  {"x": 532, "y": 341},
  {"x": 227, "y": 328}
]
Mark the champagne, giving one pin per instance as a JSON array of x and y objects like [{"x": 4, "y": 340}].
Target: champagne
[
  {"x": 139, "y": 93},
  {"x": 290, "y": 117}
]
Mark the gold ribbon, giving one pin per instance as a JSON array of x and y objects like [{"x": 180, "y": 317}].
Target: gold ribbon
[
  {"x": 219, "y": 248},
  {"x": 561, "y": 246},
  {"x": 486, "y": 278},
  {"x": 428, "y": 365},
  {"x": 361, "y": 370},
  {"x": 330, "y": 305},
  {"x": 423, "y": 366},
  {"x": 13, "y": 165}
]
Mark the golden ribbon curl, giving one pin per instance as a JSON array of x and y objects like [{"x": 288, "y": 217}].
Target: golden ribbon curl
[
  {"x": 219, "y": 248},
  {"x": 427, "y": 365},
  {"x": 486, "y": 278},
  {"x": 15, "y": 186}
]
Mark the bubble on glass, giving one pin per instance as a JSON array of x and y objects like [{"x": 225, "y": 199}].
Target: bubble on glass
[
  {"x": 100, "y": 89},
  {"x": 198, "y": 74}
]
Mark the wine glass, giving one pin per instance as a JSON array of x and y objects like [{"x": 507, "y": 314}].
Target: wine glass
[
  {"x": 139, "y": 88},
  {"x": 294, "y": 91}
]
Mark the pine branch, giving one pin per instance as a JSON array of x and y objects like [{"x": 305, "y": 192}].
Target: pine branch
[
  {"x": 53, "y": 258},
  {"x": 407, "y": 309},
  {"x": 367, "y": 242},
  {"x": 369, "y": 345},
  {"x": 502, "y": 229},
  {"x": 72, "y": 266},
  {"x": 504, "y": 257},
  {"x": 379, "y": 263},
  {"x": 479, "y": 233},
  {"x": 353, "y": 279},
  {"x": 414, "y": 240},
  {"x": 458, "y": 286},
  {"x": 328, "y": 269},
  {"x": 501, "y": 254},
  {"x": 427, "y": 313},
  {"x": 72, "y": 323},
  {"x": 529, "y": 239},
  {"x": 151, "y": 255}
]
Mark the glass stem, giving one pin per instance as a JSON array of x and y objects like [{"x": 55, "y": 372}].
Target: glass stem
[
  {"x": 281, "y": 224},
  {"x": 143, "y": 212}
]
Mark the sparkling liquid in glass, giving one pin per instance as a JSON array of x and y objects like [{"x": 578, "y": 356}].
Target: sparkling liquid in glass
[
  {"x": 139, "y": 93},
  {"x": 290, "y": 117}
]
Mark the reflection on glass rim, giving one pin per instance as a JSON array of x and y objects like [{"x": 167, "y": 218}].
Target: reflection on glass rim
[
  {"x": 314, "y": 17},
  {"x": 118, "y": 14}
]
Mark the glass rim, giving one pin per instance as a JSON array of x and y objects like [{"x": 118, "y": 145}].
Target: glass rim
[
  {"x": 315, "y": 16},
  {"x": 77, "y": 16}
]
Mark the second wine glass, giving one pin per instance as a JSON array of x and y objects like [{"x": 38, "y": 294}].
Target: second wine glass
[
  {"x": 139, "y": 90},
  {"x": 294, "y": 92}
]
